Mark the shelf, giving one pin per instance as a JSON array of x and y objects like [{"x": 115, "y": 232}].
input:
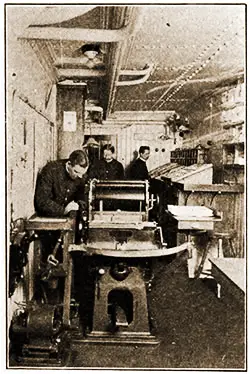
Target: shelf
[{"x": 213, "y": 188}]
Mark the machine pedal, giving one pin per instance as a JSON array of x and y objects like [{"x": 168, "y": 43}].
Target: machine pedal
[
  {"x": 120, "y": 324},
  {"x": 120, "y": 317}
]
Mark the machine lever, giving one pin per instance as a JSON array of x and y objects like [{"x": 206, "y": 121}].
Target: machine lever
[
  {"x": 98, "y": 288},
  {"x": 53, "y": 272},
  {"x": 52, "y": 260},
  {"x": 52, "y": 257},
  {"x": 120, "y": 317}
]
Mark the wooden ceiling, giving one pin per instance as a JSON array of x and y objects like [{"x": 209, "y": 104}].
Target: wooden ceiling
[{"x": 151, "y": 57}]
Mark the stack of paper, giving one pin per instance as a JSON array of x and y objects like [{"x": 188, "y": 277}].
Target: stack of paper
[{"x": 190, "y": 211}]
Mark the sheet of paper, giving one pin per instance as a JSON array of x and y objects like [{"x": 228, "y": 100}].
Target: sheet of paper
[
  {"x": 190, "y": 211},
  {"x": 69, "y": 121}
]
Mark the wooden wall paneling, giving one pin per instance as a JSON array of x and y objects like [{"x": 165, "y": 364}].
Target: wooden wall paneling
[
  {"x": 121, "y": 146},
  {"x": 25, "y": 77},
  {"x": 51, "y": 109},
  {"x": 30, "y": 133},
  {"x": 70, "y": 99},
  {"x": 239, "y": 224},
  {"x": 28, "y": 145},
  {"x": 131, "y": 149},
  {"x": 228, "y": 204}
]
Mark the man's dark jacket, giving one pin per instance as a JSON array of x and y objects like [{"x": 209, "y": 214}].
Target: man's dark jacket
[
  {"x": 55, "y": 189},
  {"x": 107, "y": 170},
  {"x": 139, "y": 170}
]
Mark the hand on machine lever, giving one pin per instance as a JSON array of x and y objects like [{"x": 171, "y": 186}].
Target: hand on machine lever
[{"x": 71, "y": 207}]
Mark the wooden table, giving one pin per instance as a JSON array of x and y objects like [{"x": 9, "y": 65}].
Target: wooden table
[
  {"x": 67, "y": 226},
  {"x": 230, "y": 274}
]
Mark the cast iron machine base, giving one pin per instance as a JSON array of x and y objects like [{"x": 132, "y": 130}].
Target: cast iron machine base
[
  {"x": 123, "y": 240},
  {"x": 120, "y": 307}
]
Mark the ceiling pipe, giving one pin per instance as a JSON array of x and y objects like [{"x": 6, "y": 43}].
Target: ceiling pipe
[
  {"x": 134, "y": 20},
  {"x": 80, "y": 73},
  {"x": 81, "y": 61},
  {"x": 137, "y": 72},
  {"x": 68, "y": 82},
  {"x": 135, "y": 81},
  {"x": 123, "y": 17}
]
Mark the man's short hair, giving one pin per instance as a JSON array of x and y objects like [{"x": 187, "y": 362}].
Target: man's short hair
[
  {"x": 108, "y": 147},
  {"x": 144, "y": 148},
  {"x": 79, "y": 157}
]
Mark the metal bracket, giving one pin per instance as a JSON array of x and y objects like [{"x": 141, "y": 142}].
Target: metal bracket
[
  {"x": 187, "y": 197},
  {"x": 213, "y": 196}
]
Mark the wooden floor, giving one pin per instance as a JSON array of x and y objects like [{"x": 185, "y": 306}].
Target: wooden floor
[{"x": 195, "y": 329}]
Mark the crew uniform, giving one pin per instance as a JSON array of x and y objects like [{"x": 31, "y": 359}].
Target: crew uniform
[
  {"x": 139, "y": 170},
  {"x": 55, "y": 189},
  {"x": 104, "y": 170}
]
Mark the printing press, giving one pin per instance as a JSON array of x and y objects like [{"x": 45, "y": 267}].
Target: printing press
[{"x": 118, "y": 233}]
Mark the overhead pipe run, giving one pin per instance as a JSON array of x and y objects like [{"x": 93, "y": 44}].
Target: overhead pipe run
[
  {"x": 147, "y": 69},
  {"x": 80, "y": 61},
  {"x": 80, "y": 73},
  {"x": 124, "y": 17},
  {"x": 145, "y": 77},
  {"x": 133, "y": 18}
]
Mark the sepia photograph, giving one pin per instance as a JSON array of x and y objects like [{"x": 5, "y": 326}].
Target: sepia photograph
[{"x": 125, "y": 176}]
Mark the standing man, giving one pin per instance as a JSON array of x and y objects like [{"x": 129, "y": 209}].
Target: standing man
[
  {"x": 59, "y": 188},
  {"x": 139, "y": 168},
  {"x": 139, "y": 171},
  {"x": 60, "y": 184},
  {"x": 108, "y": 167}
]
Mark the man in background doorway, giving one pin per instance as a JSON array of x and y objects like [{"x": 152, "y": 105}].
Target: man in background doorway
[
  {"x": 139, "y": 170},
  {"x": 108, "y": 168}
]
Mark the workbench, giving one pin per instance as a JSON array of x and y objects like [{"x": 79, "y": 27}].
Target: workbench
[{"x": 67, "y": 226}]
